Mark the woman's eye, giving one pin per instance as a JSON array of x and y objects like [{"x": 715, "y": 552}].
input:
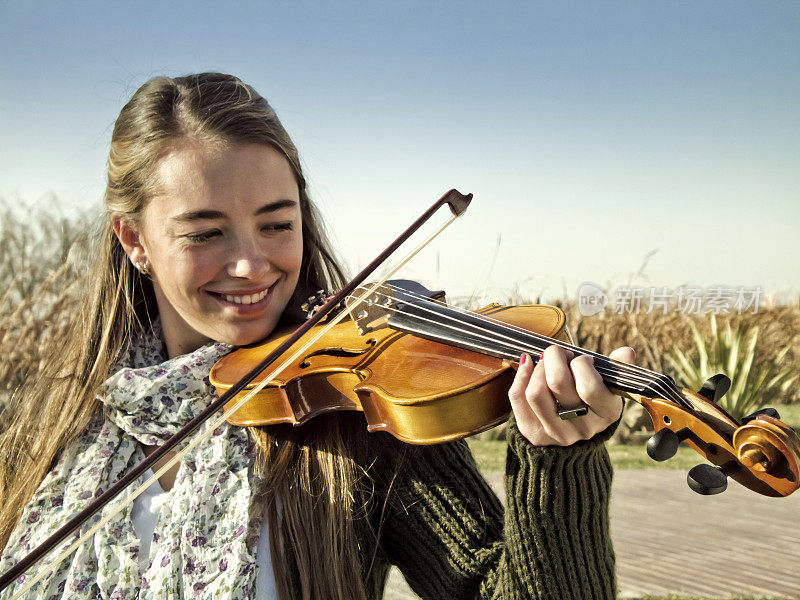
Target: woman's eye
[
  {"x": 200, "y": 238},
  {"x": 286, "y": 226}
]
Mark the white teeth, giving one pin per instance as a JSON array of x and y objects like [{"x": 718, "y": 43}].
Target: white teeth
[{"x": 252, "y": 299}]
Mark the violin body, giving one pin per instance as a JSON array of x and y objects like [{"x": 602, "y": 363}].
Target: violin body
[{"x": 420, "y": 391}]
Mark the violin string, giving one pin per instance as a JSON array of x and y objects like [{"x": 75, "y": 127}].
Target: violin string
[
  {"x": 260, "y": 385},
  {"x": 516, "y": 344},
  {"x": 657, "y": 380},
  {"x": 509, "y": 326},
  {"x": 636, "y": 377}
]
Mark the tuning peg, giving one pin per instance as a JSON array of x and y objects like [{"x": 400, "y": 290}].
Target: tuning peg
[
  {"x": 770, "y": 412},
  {"x": 708, "y": 479},
  {"x": 314, "y": 303},
  {"x": 715, "y": 387},
  {"x": 664, "y": 443}
]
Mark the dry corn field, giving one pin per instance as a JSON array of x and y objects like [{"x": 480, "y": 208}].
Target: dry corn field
[{"x": 42, "y": 255}]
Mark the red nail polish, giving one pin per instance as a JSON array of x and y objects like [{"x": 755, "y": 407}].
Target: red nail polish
[
  {"x": 541, "y": 356},
  {"x": 523, "y": 358}
]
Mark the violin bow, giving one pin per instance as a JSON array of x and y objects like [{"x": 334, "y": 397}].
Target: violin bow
[{"x": 458, "y": 204}]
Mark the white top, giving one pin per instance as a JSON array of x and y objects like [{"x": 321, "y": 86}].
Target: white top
[{"x": 145, "y": 514}]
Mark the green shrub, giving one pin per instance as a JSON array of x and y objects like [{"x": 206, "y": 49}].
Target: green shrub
[{"x": 732, "y": 351}]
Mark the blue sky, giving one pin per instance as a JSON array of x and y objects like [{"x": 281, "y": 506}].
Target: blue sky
[{"x": 591, "y": 133}]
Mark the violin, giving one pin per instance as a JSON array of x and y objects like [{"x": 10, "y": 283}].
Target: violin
[{"x": 427, "y": 373}]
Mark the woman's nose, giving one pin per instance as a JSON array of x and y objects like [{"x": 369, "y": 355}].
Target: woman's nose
[{"x": 249, "y": 261}]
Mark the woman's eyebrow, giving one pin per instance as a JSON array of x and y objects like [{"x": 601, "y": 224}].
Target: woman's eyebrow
[
  {"x": 197, "y": 215},
  {"x": 277, "y": 205}
]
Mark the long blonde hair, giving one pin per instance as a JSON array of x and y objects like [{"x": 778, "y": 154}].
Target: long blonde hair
[{"x": 312, "y": 475}]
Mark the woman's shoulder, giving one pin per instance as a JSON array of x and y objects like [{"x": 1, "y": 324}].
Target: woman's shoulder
[
  {"x": 93, "y": 447},
  {"x": 69, "y": 483}
]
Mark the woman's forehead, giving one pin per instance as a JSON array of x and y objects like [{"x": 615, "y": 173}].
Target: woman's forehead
[{"x": 193, "y": 176}]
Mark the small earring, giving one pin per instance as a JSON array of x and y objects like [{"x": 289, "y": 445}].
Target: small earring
[{"x": 143, "y": 267}]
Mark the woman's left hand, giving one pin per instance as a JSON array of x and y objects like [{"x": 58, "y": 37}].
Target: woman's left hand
[{"x": 560, "y": 379}]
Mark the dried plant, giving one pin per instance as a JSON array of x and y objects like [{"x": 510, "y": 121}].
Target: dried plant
[{"x": 42, "y": 251}]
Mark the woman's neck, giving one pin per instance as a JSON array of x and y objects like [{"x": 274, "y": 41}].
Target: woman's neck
[{"x": 167, "y": 480}]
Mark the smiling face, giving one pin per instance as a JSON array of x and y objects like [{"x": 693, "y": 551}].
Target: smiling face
[{"x": 223, "y": 240}]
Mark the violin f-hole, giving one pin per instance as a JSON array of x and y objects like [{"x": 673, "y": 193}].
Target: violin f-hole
[{"x": 338, "y": 352}]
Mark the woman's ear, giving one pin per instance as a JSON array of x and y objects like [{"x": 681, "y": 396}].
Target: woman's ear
[{"x": 130, "y": 240}]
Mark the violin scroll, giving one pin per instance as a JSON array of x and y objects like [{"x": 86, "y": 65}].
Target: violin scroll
[
  {"x": 762, "y": 454},
  {"x": 768, "y": 445}
]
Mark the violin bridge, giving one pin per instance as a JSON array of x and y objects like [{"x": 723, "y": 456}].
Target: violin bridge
[
  {"x": 365, "y": 326},
  {"x": 386, "y": 299},
  {"x": 373, "y": 311}
]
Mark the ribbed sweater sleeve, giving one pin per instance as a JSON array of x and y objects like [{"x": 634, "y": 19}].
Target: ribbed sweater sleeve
[{"x": 445, "y": 529}]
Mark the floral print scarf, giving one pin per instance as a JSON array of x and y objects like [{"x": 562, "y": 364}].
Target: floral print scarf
[{"x": 205, "y": 539}]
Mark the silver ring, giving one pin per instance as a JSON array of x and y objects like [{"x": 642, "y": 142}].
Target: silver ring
[{"x": 567, "y": 414}]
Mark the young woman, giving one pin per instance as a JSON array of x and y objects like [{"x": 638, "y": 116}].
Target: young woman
[{"x": 210, "y": 241}]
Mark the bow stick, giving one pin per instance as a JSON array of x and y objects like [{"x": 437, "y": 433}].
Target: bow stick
[{"x": 457, "y": 203}]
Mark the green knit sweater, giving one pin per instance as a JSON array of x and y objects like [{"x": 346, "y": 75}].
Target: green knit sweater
[{"x": 438, "y": 520}]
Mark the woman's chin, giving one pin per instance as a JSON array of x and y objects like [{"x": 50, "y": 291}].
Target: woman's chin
[{"x": 246, "y": 337}]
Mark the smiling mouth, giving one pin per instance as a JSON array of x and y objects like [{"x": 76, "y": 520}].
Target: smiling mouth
[{"x": 244, "y": 298}]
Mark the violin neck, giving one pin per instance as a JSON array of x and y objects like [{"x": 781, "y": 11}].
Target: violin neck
[{"x": 478, "y": 333}]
